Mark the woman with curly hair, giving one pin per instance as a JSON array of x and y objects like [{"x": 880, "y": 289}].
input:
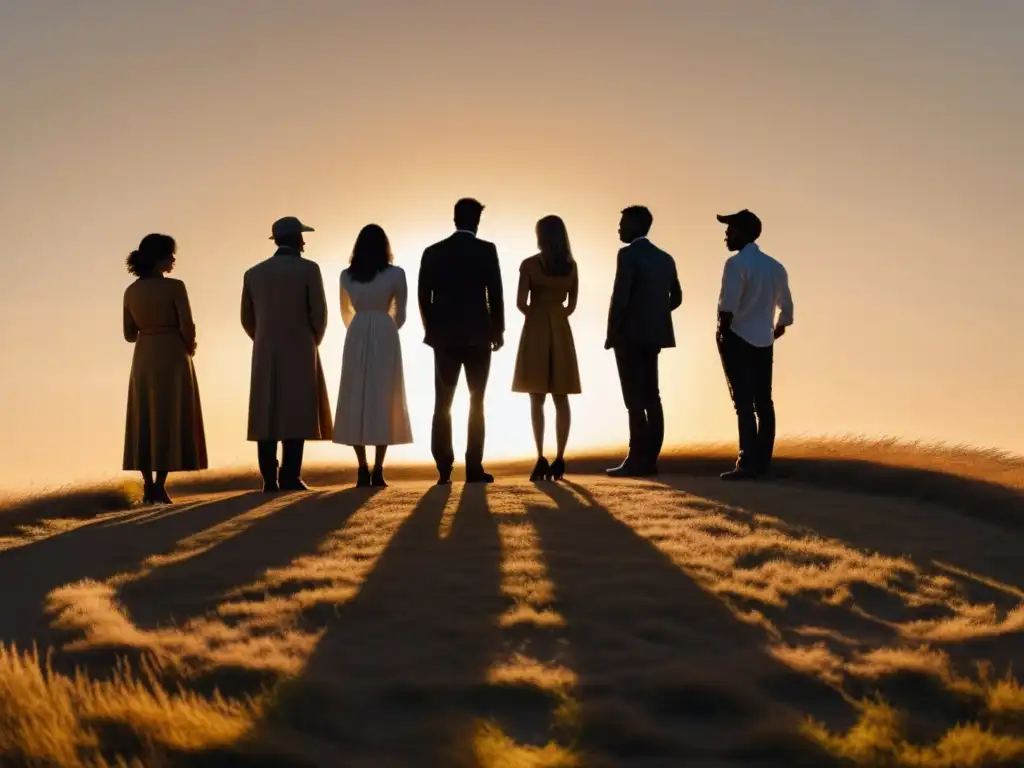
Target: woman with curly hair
[{"x": 164, "y": 431}]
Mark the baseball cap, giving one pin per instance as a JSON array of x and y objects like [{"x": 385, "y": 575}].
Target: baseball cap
[
  {"x": 289, "y": 225},
  {"x": 745, "y": 220}
]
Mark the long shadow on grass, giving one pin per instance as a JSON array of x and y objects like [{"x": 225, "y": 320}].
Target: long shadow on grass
[
  {"x": 987, "y": 572},
  {"x": 97, "y": 552},
  {"x": 666, "y": 671},
  {"x": 981, "y": 499},
  {"x": 195, "y": 585},
  {"x": 396, "y": 678},
  {"x": 924, "y": 532}
]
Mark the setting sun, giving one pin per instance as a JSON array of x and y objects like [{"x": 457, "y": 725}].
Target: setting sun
[{"x": 791, "y": 222}]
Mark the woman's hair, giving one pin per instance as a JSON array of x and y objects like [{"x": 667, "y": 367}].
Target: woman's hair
[
  {"x": 553, "y": 241},
  {"x": 153, "y": 250},
  {"x": 371, "y": 254}
]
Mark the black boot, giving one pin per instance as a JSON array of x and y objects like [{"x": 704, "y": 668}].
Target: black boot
[
  {"x": 289, "y": 478},
  {"x": 268, "y": 465}
]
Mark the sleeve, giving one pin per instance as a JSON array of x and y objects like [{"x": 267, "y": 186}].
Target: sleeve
[
  {"x": 675, "y": 291},
  {"x": 495, "y": 295},
  {"x": 425, "y": 288},
  {"x": 248, "y": 310},
  {"x": 785, "y": 302},
  {"x": 186, "y": 324},
  {"x": 348, "y": 310},
  {"x": 732, "y": 287},
  {"x": 400, "y": 301},
  {"x": 621, "y": 291},
  {"x": 574, "y": 291},
  {"x": 523, "y": 289},
  {"x": 317, "y": 303},
  {"x": 131, "y": 330}
]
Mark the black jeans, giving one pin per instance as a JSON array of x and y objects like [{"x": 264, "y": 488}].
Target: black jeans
[
  {"x": 748, "y": 371},
  {"x": 291, "y": 464},
  {"x": 638, "y": 375},
  {"x": 448, "y": 365}
]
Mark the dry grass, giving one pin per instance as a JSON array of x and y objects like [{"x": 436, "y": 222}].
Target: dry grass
[{"x": 591, "y": 623}]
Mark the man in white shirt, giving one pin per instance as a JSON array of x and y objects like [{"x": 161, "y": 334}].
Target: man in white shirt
[{"x": 754, "y": 286}]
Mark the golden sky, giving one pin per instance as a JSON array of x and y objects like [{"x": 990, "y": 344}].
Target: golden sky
[{"x": 879, "y": 141}]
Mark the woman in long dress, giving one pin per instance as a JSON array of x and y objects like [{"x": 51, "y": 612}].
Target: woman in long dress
[
  {"x": 164, "y": 426},
  {"x": 371, "y": 402},
  {"x": 546, "y": 362}
]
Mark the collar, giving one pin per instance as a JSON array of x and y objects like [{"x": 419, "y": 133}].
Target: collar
[
  {"x": 465, "y": 232},
  {"x": 287, "y": 250},
  {"x": 638, "y": 239},
  {"x": 748, "y": 248}
]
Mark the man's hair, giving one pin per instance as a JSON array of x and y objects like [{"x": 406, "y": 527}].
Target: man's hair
[
  {"x": 467, "y": 213},
  {"x": 641, "y": 216}
]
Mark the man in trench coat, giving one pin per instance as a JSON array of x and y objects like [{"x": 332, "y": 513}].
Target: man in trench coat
[{"x": 284, "y": 312}]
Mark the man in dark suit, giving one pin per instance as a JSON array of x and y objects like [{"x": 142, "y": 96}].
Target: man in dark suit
[
  {"x": 646, "y": 293},
  {"x": 463, "y": 313}
]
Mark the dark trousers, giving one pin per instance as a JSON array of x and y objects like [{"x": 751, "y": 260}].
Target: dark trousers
[
  {"x": 748, "y": 371},
  {"x": 291, "y": 464},
  {"x": 448, "y": 365},
  {"x": 638, "y": 375}
]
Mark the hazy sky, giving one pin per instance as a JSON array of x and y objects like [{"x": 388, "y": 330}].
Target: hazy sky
[{"x": 879, "y": 141}]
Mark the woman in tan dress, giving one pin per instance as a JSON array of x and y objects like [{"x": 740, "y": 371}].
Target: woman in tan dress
[
  {"x": 546, "y": 362},
  {"x": 164, "y": 431}
]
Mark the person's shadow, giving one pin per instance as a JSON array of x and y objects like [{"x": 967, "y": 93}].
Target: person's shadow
[
  {"x": 195, "y": 585},
  {"x": 398, "y": 668},
  {"x": 665, "y": 670},
  {"x": 95, "y": 551}
]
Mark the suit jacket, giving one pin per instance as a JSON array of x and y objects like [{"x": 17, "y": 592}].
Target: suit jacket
[
  {"x": 460, "y": 293},
  {"x": 646, "y": 293},
  {"x": 284, "y": 312}
]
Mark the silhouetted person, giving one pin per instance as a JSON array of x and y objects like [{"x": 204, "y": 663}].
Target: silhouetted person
[
  {"x": 754, "y": 285},
  {"x": 284, "y": 311},
  {"x": 164, "y": 426},
  {"x": 371, "y": 398},
  {"x": 646, "y": 293},
  {"x": 463, "y": 311},
  {"x": 546, "y": 362}
]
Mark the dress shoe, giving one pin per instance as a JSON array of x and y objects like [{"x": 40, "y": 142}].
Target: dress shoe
[
  {"x": 294, "y": 484},
  {"x": 479, "y": 476},
  {"x": 270, "y": 486},
  {"x": 377, "y": 478},
  {"x": 736, "y": 475},
  {"x": 363, "y": 477},
  {"x": 628, "y": 468}
]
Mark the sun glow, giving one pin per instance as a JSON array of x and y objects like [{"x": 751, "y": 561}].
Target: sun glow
[{"x": 509, "y": 432}]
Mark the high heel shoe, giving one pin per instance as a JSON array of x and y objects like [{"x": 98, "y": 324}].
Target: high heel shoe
[
  {"x": 541, "y": 470},
  {"x": 377, "y": 478},
  {"x": 363, "y": 477},
  {"x": 557, "y": 469}
]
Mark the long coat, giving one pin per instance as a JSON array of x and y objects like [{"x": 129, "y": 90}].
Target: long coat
[
  {"x": 284, "y": 311},
  {"x": 164, "y": 424}
]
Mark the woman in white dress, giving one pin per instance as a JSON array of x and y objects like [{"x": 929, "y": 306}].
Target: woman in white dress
[{"x": 371, "y": 402}]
